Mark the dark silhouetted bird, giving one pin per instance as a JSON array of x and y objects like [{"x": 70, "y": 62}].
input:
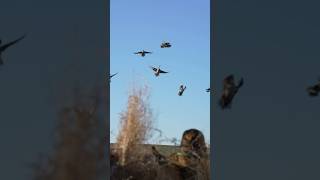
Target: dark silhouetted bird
[
  {"x": 110, "y": 76},
  {"x": 314, "y": 90},
  {"x": 208, "y": 90},
  {"x": 142, "y": 53},
  {"x": 181, "y": 90},
  {"x": 157, "y": 71},
  {"x": 5, "y": 46},
  {"x": 165, "y": 45},
  {"x": 230, "y": 89}
]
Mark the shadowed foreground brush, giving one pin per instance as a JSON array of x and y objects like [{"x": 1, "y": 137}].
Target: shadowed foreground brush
[{"x": 78, "y": 152}]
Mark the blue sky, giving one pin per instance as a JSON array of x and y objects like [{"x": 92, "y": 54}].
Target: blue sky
[{"x": 144, "y": 24}]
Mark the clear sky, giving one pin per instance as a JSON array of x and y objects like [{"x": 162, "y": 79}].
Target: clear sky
[{"x": 144, "y": 24}]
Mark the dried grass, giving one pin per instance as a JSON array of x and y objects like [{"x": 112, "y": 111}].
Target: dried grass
[{"x": 135, "y": 126}]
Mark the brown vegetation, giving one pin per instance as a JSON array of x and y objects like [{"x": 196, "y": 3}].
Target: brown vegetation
[{"x": 135, "y": 126}]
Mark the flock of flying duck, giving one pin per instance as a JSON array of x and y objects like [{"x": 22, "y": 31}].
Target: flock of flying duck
[
  {"x": 157, "y": 71},
  {"x": 230, "y": 88}
]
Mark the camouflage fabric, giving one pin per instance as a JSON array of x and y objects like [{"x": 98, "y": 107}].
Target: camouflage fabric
[{"x": 193, "y": 141}]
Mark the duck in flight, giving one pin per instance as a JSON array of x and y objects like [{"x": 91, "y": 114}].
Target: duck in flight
[
  {"x": 230, "y": 89},
  {"x": 165, "y": 45},
  {"x": 157, "y": 71},
  {"x": 314, "y": 90},
  {"x": 142, "y": 53},
  {"x": 110, "y": 76},
  {"x": 182, "y": 88},
  {"x": 5, "y": 46}
]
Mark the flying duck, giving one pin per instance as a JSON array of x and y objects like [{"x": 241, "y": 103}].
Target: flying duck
[
  {"x": 157, "y": 71},
  {"x": 165, "y": 45},
  {"x": 181, "y": 90},
  {"x": 142, "y": 53},
  {"x": 230, "y": 89}
]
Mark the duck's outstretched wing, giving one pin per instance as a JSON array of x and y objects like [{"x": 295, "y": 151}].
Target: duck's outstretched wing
[
  {"x": 163, "y": 71},
  {"x": 113, "y": 75},
  {"x": 4, "y": 47}
]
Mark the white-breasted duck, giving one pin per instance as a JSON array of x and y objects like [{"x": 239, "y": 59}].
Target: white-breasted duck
[{"x": 157, "y": 71}]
